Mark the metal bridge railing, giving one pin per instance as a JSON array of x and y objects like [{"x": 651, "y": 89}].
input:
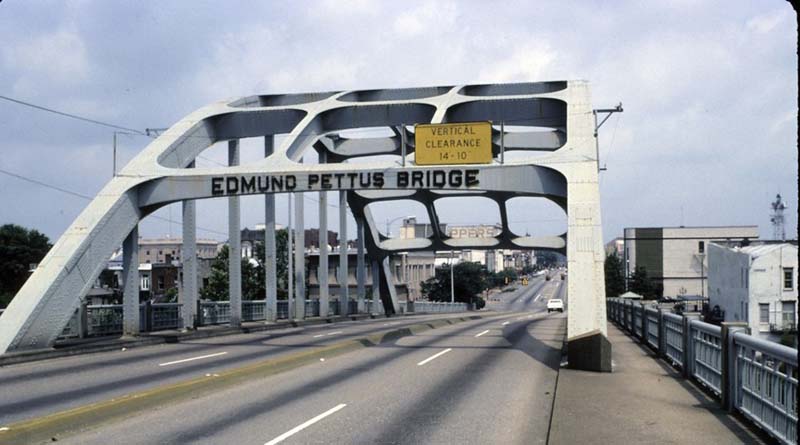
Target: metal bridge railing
[
  {"x": 766, "y": 392},
  {"x": 673, "y": 337},
  {"x": 753, "y": 376},
  {"x": 653, "y": 327},
  {"x": 101, "y": 320},
  {"x": 706, "y": 354}
]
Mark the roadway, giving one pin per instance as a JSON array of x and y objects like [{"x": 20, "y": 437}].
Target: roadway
[{"x": 450, "y": 384}]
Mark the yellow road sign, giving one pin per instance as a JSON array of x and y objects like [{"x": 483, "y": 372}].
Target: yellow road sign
[{"x": 461, "y": 143}]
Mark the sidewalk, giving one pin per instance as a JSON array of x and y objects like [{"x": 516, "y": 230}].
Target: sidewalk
[{"x": 643, "y": 400}]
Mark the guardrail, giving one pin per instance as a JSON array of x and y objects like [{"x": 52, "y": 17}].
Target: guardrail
[
  {"x": 756, "y": 377},
  {"x": 439, "y": 306},
  {"x": 100, "y": 320}
]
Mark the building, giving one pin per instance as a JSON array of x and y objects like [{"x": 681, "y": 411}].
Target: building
[
  {"x": 167, "y": 250},
  {"x": 249, "y": 238},
  {"x": 675, "y": 257},
  {"x": 756, "y": 284}
]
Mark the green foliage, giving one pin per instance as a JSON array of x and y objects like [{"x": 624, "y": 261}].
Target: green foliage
[
  {"x": 548, "y": 259},
  {"x": 470, "y": 279},
  {"x": 19, "y": 248},
  {"x": 615, "y": 280},
  {"x": 498, "y": 279},
  {"x": 641, "y": 284},
  {"x": 171, "y": 295},
  {"x": 253, "y": 281}
]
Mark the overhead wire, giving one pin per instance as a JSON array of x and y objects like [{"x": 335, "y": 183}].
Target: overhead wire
[
  {"x": 89, "y": 198},
  {"x": 70, "y": 115}
]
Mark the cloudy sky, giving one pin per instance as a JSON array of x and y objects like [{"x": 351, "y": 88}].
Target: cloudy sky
[{"x": 708, "y": 136}]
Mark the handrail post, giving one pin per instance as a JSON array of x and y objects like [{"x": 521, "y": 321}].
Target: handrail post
[
  {"x": 83, "y": 319},
  {"x": 688, "y": 344},
  {"x": 729, "y": 376},
  {"x": 199, "y": 320},
  {"x": 148, "y": 314},
  {"x": 662, "y": 341},
  {"x": 645, "y": 325}
]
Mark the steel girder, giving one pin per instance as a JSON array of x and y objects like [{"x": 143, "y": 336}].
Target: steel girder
[{"x": 550, "y": 121}]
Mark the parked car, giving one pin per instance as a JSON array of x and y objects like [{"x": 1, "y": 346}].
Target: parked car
[{"x": 555, "y": 304}]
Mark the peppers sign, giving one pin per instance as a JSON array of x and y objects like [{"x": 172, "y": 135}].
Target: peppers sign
[{"x": 461, "y": 143}]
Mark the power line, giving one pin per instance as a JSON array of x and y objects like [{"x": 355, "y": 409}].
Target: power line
[
  {"x": 70, "y": 115},
  {"x": 89, "y": 198}
]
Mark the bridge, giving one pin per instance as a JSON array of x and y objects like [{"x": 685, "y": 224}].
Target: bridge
[{"x": 371, "y": 368}]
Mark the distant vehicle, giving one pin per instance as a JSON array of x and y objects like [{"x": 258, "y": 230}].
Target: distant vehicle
[
  {"x": 547, "y": 277},
  {"x": 555, "y": 304},
  {"x": 564, "y": 276}
]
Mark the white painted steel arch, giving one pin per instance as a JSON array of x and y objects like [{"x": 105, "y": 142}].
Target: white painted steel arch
[{"x": 565, "y": 173}]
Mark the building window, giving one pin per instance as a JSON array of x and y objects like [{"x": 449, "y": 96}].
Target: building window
[
  {"x": 701, "y": 247},
  {"x": 147, "y": 252},
  {"x": 145, "y": 282},
  {"x": 788, "y": 282},
  {"x": 161, "y": 283},
  {"x": 763, "y": 313},
  {"x": 787, "y": 313}
]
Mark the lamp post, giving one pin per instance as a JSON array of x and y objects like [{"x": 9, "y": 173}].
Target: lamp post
[
  {"x": 390, "y": 221},
  {"x": 452, "y": 284}
]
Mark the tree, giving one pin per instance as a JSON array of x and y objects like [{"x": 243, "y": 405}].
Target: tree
[
  {"x": 502, "y": 278},
  {"x": 217, "y": 288},
  {"x": 641, "y": 284},
  {"x": 253, "y": 272},
  {"x": 19, "y": 248},
  {"x": 470, "y": 280},
  {"x": 615, "y": 281}
]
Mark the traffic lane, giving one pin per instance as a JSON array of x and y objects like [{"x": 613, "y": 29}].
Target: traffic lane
[
  {"x": 508, "y": 298},
  {"x": 453, "y": 398},
  {"x": 101, "y": 361},
  {"x": 117, "y": 374},
  {"x": 524, "y": 293},
  {"x": 282, "y": 388}
]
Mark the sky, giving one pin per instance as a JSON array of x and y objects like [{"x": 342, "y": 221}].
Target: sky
[{"x": 709, "y": 89}]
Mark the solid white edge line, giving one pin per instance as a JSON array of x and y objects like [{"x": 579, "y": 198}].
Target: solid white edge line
[
  {"x": 192, "y": 359},
  {"x": 484, "y": 332},
  {"x": 334, "y": 333},
  {"x": 305, "y": 425},
  {"x": 438, "y": 354}
]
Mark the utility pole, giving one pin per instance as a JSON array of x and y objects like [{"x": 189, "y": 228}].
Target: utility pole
[
  {"x": 452, "y": 283},
  {"x": 609, "y": 112}
]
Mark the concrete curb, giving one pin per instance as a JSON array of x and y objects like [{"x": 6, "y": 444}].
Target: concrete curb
[
  {"x": 162, "y": 337},
  {"x": 50, "y": 427}
]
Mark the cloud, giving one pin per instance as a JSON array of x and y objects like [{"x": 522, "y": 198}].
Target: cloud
[
  {"x": 430, "y": 18},
  {"x": 533, "y": 61},
  {"x": 766, "y": 22},
  {"x": 58, "y": 57}
]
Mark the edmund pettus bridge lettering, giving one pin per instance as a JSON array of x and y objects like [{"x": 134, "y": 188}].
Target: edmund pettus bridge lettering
[{"x": 235, "y": 185}]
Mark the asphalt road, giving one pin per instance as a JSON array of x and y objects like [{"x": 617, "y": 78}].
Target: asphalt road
[
  {"x": 484, "y": 381},
  {"x": 34, "y": 389},
  {"x": 477, "y": 382}
]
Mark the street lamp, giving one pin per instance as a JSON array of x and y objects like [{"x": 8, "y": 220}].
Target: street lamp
[{"x": 389, "y": 223}]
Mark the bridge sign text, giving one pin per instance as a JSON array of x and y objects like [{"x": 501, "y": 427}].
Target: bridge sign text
[{"x": 462, "y": 143}]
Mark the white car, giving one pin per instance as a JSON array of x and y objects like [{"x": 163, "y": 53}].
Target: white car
[{"x": 555, "y": 304}]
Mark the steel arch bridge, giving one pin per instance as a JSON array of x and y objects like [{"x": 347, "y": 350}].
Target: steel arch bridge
[{"x": 557, "y": 162}]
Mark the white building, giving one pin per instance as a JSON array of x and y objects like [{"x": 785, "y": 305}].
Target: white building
[
  {"x": 756, "y": 284},
  {"x": 675, "y": 257}
]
